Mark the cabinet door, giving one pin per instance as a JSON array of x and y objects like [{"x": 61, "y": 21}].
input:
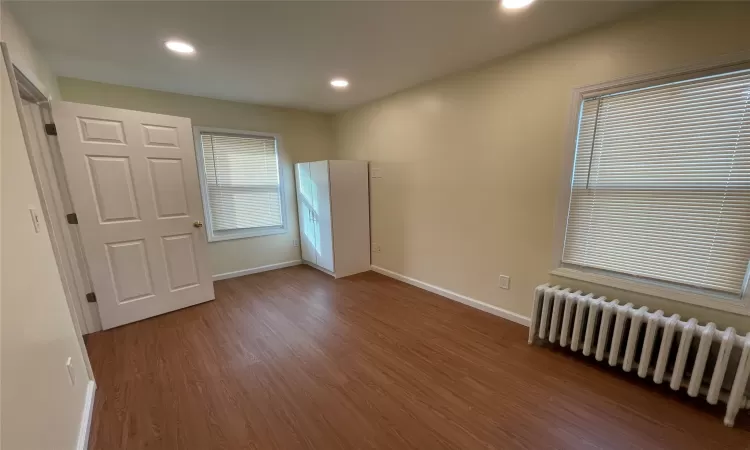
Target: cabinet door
[
  {"x": 322, "y": 214},
  {"x": 305, "y": 208}
]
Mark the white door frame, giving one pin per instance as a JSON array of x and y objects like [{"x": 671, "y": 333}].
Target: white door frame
[
  {"x": 62, "y": 244},
  {"x": 89, "y": 310},
  {"x": 72, "y": 263}
]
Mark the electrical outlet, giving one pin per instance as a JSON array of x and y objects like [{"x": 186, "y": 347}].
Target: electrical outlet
[
  {"x": 71, "y": 373},
  {"x": 375, "y": 248},
  {"x": 295, "y": 243},
  {"x": 504, "y": 282}
]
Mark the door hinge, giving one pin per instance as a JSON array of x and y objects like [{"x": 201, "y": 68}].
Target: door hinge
[
  {"x": 91, "y": 297},
  {"x": 50, "y": 129},
  {"x": 72, "y": 218}
]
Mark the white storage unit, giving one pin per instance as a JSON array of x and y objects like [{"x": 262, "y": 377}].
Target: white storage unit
[{"x": 334, "y": 216}]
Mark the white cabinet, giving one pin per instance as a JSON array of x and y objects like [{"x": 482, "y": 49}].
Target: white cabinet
[{"x": 334, "y": 215}]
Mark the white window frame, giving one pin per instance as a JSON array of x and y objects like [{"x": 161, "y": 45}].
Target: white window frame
[
  {"x": 662, "y": 289},
  {"x": 248, "y": 232}
]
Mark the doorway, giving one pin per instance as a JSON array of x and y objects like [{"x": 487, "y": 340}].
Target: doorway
[
  {"x": 33, "y": 108},
  {"x": 66, "y": 239},
  {"x": 134, "y": 243}
]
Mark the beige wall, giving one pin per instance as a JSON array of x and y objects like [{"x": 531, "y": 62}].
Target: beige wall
[
  {"x": 471, "y": 163},
  {"x": 305, "y": 136},
  {"x": 26, "y": 58},
  {"x": 40, "y": 409}
]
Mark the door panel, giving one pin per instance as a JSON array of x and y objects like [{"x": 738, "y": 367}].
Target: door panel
[
  {"x": 182, "y": 268},
  {"x": 112, "y": 186},
  {"x": 134, "y": 184},
  {"x": 168, "y": 186},
  {"x": 94, "y": 131},
  {"x": 129, "y": 266},
  {"x": 160, "y": 136},
  {"x": 322, "y": 216},
  {"x": 304, "y": 210}
]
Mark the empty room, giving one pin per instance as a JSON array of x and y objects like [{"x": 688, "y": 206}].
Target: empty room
[{"x": 506, "y": 224}]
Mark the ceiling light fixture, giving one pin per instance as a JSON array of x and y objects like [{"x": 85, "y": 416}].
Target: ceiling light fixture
[
  {"x": 339, "y": 83},
  {"x": 516, "y": 4},
  {"x": 180, "y": 47}
]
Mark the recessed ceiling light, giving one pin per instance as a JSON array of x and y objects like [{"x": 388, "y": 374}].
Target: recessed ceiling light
[
  {"x": 516, "y": 4},
  {"x": 339, "y": 83},
  {"x": 180, "y": 47}
]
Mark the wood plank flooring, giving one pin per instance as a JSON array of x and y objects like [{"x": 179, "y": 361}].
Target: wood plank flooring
[{"x": 293, "y": 359}]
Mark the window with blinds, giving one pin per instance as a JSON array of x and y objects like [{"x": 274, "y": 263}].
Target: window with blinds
[
  {"x": 241, "y": 183},
  {"x": 661, "y": 184}
]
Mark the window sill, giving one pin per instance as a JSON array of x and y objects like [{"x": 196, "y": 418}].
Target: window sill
[
  {"x": 243, "y": 234},
  {"x": 689, "y": 296}
]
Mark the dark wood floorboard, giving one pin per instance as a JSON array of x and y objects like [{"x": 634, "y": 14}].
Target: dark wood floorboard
[{"x": 293, "y": 359}]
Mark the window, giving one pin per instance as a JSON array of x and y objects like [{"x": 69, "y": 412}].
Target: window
[
  {"x": 661, "y": 185},
  {"x": 241, "y": 184}
]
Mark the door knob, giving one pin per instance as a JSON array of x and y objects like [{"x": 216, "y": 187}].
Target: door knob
[{"x": 198, "y": 224}]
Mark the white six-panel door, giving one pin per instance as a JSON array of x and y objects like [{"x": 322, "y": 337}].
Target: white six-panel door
[{"x": 134, "y": 183}]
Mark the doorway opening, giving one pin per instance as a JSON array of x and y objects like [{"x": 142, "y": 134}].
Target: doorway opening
[
  {"x": 46, "y": 161},
  {"x": 34, "y": 112}
]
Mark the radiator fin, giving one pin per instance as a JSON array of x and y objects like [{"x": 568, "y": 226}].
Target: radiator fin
[
  {"x": 727, "y": 343},
  {"x": 736, "y": 397},
  {"x": 578, "y": 323},
  {"x": 700, "y": 360},
  {"x": 591, "y": 325},
  {"x": 665, "y": 347},
  {"x": 607, "y": 311},
  {"x": 635, "y": 328},
  {"x": 622, "y": 315},
  {"x": 682, "y": 353},
  {"x": 648, "y": 343},
  {"x": 570, "y": 302}
]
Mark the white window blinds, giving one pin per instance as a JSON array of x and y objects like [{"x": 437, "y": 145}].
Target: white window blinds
[
  {"x": 241, "y": 182},
  {"x": 661, "y": 185}
]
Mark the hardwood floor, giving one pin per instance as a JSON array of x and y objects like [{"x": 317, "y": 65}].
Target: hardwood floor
[{"x": 295, "y": 359}]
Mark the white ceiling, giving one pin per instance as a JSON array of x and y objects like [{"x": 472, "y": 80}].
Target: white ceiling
[{"x": 284, "y": 53}]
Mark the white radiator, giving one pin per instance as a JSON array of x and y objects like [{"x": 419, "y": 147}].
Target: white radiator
[{"x": 664, "y": 348}]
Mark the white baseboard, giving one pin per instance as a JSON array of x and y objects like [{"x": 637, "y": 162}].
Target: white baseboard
[
  {"x": 88, "y": 411},
  {"x": 468, "y": 301},
  {"x": 241, "y": 273}
]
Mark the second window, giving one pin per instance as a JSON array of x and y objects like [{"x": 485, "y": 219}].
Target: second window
[{"x": 241, "y": 184}]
